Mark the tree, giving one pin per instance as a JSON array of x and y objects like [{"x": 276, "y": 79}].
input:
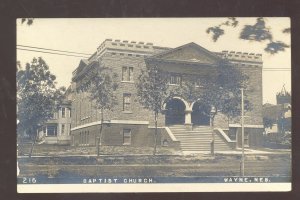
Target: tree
[
  {"x": 28, "y": 21},
  {"x": 101, "y": 84},
  {"x": 189, "y": 90},
  {"x": 222, "y": 91},
  {"x": 257, "y": 32},
  {"x": 152, "y": 91},
  {"x": 37, "y": 97},
  {"x": 268, "y": 122}
]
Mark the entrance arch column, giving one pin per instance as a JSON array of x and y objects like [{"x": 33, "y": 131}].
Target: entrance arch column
[{"x": 188, "y": 118}]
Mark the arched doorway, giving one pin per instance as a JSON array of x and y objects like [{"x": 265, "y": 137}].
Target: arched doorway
[
  {"x": 200, "y": 114},
  {"x": 175, "y": 112}
]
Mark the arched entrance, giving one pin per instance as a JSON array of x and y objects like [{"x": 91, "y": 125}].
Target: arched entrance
[
  {"x": 175, "y": 112},
  {"x": 200, "y": 114}
]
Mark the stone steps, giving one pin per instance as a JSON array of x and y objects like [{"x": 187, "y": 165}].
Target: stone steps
[{"x": 199, "y": 139}]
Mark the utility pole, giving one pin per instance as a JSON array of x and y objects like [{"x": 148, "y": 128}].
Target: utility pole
[{"x": 243, "y": 139}]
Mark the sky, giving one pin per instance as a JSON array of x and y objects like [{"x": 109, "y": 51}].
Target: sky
[{"x": 85, "y": 35}]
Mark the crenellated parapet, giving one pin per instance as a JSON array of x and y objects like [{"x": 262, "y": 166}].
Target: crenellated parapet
[
  {"x": 240, "y": 56},
  {"x": 125, "y": 45}
]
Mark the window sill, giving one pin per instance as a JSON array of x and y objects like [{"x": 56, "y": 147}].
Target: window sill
[
  {"x": 85, "y": 118},
  {"x": 127, "y": 81},
  {"x": 126, "y": 144},
  {"x": 127, "y": 112}
]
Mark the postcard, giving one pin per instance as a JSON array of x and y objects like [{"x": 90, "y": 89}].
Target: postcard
[{"x": 153, "y": 104}]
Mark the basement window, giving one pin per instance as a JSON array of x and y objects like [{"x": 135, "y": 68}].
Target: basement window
[{"x": 126, "y": 136}]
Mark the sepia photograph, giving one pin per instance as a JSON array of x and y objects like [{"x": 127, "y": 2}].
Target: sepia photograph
[{"x": 153, "y": 104}]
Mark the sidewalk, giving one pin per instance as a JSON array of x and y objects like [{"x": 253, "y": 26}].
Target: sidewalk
[{"x": 247, "y": 152}]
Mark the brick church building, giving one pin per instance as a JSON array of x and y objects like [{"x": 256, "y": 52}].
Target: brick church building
[{"x": 182, "y": 125}]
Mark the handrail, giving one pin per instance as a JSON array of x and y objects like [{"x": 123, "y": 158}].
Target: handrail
[
  {"x": 170, "y": 134},
  {"x": 224, "y": 135}
]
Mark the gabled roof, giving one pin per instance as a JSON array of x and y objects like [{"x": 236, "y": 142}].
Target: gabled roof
[{"x": 190, "y": 52}]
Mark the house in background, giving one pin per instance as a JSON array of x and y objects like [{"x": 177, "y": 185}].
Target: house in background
[
  {"x": 57, "y": 129},
  {"x": 130, "y": 124},
  {"x": 278, "y": 117}
]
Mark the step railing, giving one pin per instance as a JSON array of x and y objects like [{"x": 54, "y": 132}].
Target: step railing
[{"x": 224, "y": 136}]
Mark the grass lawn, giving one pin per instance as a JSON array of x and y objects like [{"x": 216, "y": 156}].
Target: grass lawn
[
  {"x": 126, "y": 166},
  {"x": 53, "y": 150}
]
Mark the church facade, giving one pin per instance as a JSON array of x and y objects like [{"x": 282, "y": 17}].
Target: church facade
[{"x": 182, "y": 124}]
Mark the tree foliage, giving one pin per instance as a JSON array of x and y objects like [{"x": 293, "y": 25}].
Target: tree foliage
[
  {"x": 152, "y": 91},
  {"x": 37, "y": 96},
  {"x": 28, "y": 21},
  {"x": 222, "y": 92},
  {"x": 274, "y": 47},
  {"x": 101, "y": 84},
  {"x": 269, "y": 122},
  {"x": 218, "y": 31},
  {"x": 152, "y": 88},
  {"x": 189, "y": 90},
  {"x": 258, "y": 32}
]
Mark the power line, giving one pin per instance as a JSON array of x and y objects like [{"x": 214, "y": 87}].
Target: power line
[
  {"x": 52, "y": 53},
  {"x": 281, "y": 69},
  {"x": 288, "y": 70},
  {"x": 72, "y": 52},
  {"x": 276, "y": 69},
  {"x": 271, "y": 67},
  {"x": 53, "y": 50}
]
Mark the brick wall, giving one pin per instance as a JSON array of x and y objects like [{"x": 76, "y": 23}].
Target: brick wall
[
  {"x": 112, "y": 135},
  {"x": 255, "y": 137},
  {"x": 84, "y": 112}
]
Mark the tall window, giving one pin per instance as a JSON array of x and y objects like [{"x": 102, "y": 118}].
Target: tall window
[
  {"x": 175, "y": 80},
  {"x": 126, "y": 136},
  {"x": 127, "y": 74},
  {"x": 63, "y": 112},
  {"x": 126, "y": 102},
  {"x": 246, "y": 139},
  {"x": 62, "y": 128}
]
